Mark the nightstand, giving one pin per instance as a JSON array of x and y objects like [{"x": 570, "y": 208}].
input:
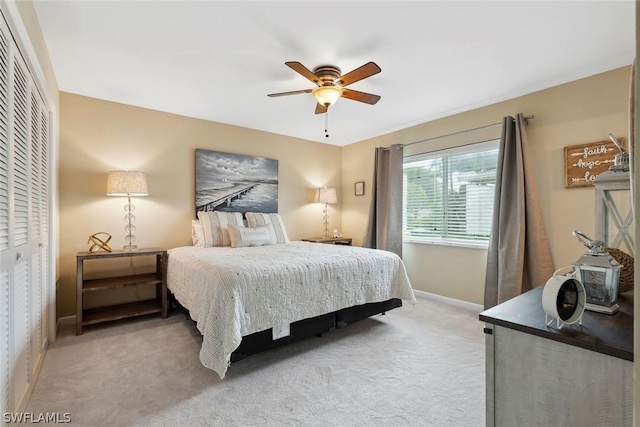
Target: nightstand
[
  {"x": 121, "y": 311},
  {"x": 346, "y": 241}
]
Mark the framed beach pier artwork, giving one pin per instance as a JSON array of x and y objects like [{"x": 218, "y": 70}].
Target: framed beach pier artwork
[{"x": 235, "y": 183}]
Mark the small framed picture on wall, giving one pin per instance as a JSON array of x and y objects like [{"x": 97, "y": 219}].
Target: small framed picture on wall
[{"x": 359, "y": 188}]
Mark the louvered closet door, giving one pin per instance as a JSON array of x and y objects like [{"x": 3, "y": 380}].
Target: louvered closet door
[
  {"x": 19, "y": 105},
  {"x": 5, "y": 261},
  {"x": 24, "y": 225}
]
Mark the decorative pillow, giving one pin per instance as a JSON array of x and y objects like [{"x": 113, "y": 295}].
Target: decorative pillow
[
  {"x": 256, "y": 219},
  {"x": 197, "y": 233},
  {"x": 214, "y": 225},
  {"x": 241, "y": 237}
]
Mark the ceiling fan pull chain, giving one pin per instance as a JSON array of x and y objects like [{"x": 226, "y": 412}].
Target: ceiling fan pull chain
[{"x": 326, "y": 124}]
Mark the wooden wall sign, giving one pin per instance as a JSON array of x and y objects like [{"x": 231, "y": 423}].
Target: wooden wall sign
[{"x": 586, "y": 161}]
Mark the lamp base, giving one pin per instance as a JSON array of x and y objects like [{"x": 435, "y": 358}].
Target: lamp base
[
  {"x": 129, "y": 218},
  {"x": 325, "y": 217},
  {"x": 602, "y": 308}
]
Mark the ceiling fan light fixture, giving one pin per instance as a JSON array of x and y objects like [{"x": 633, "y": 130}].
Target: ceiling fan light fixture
[{"x": 327, "y": 95}]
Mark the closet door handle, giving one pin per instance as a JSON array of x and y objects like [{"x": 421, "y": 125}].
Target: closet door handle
[{"x": 19, "y": 255}]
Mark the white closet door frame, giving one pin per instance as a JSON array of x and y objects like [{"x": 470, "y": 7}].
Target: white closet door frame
[{"x": 21, "y": 36}]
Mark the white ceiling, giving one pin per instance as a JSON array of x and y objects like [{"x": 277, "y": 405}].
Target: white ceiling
[{"x": 217, "y": 60}]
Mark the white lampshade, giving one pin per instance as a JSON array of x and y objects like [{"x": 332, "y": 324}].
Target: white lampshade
[
  {"x": 126, "y": 183},
  {"x": 327, "y": 195},
  {"x": 327, "y": 95}
]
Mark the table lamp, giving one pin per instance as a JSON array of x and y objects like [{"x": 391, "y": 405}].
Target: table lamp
[
  {"x": 327, "y": 195},
  {"x": 127, "y": 183}
]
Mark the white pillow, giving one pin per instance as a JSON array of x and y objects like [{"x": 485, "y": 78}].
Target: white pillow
[
  {"x": 214, "y": 225},
  {"x": 256, "y": 219},
  {"x": 197, "y": 233},
  {"x": 241, "y": 237}
]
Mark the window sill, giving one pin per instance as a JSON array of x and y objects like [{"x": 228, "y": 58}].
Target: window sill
[{"x": 460, "y": 244}]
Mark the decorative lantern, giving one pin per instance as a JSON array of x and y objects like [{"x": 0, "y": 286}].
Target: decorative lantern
[{"x": 599, "y": 273}]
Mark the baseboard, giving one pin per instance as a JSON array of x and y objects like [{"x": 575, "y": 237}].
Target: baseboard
[
  {"x": 477, "y": 308},
  {"x": 64, "y": 321}
]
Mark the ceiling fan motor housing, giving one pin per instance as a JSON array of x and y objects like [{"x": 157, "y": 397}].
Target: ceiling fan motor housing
[{"x": 327, "y": 74}]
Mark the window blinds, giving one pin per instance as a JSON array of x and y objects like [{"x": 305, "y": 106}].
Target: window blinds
[{"x": 448, "y": 194}]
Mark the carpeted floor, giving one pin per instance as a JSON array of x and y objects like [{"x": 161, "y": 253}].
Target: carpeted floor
[{"x": 419, "y": 365}]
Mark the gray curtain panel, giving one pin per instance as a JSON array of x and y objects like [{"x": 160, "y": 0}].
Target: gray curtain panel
[
  {"x": 632, "y": 134},
  {"x": 384, "y": 230},
  {"x": 519, "y": 257}
]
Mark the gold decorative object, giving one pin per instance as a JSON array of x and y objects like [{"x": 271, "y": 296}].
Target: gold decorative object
[{"x": 98, "y": 243}]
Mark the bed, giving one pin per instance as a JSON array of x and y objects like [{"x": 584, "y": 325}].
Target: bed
[{"x": 244, "y": 299}]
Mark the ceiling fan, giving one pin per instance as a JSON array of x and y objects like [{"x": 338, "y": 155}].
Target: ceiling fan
[{"x": 332, "y": 85}]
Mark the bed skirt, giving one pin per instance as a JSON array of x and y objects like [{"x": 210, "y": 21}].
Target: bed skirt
[{"x": 305, "y": 328}]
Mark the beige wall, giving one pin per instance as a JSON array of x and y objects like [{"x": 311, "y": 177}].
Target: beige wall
[
  {"x": 578, "y": 112},
  {"x": 98, "y": 136}
]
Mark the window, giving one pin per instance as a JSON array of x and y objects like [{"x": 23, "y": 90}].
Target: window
[{"x": 448, "y": 195}]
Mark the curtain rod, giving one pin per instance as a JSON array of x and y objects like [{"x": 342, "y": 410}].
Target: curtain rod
[{"x": 526, "y": 120}]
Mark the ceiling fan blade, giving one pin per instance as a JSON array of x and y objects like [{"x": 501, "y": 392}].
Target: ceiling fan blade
[
  {"x": 294, "y": 92},
  {"x": 321, "y": 109},
  {"x": 367, "y": 70},
  {"x": 303, "y": 71},
  {"x": 367, "y": 98}
]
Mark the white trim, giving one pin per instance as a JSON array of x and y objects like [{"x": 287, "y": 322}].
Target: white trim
[
  {"x": 443, "y": 242},
  {"x": 477, "y": 308}
]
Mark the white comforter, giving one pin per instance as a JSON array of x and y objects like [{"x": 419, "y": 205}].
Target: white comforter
[{"x": 232, "y": 292}]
